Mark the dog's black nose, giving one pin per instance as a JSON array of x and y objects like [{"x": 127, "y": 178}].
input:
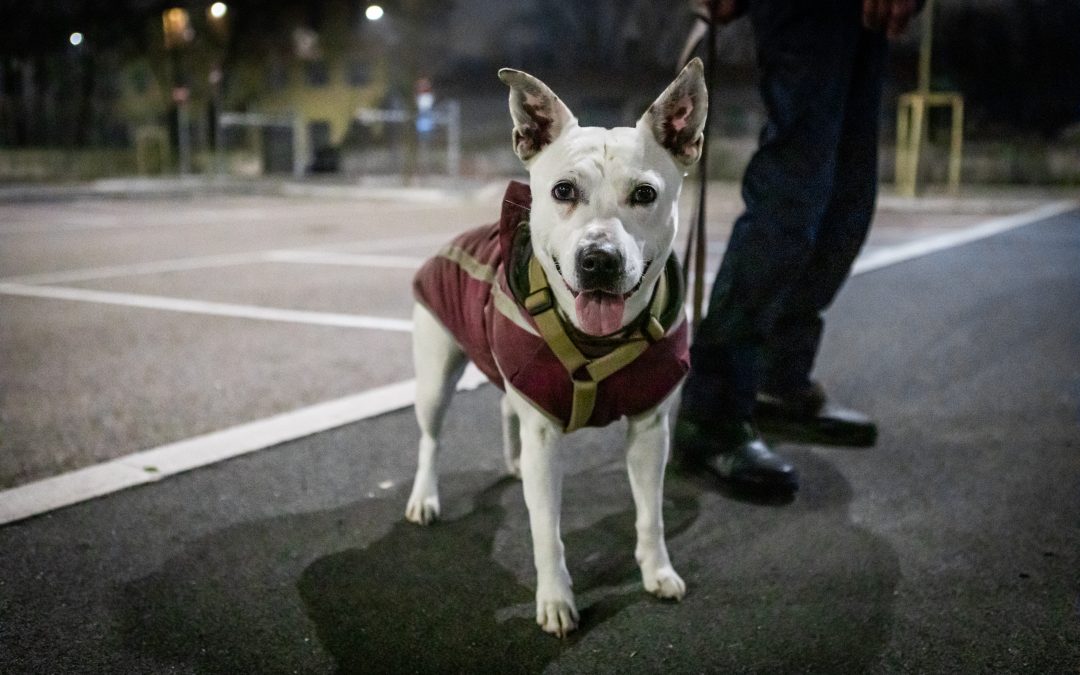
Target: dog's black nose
[{"x": 599, "y": 266}]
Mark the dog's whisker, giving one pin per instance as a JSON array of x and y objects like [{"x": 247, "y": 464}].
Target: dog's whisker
[
  {"x": 520, "y": 206},
  {"x": 644, "y": 271}
]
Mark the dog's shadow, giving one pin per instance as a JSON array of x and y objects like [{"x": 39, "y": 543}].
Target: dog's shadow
[
  {"x": 790, "y": 587},
  {"x": 433, "y": 600},
  {"x": 360, "y": 589}
]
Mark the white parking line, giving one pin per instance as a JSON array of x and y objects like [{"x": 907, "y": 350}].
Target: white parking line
[
  {"x": 134, "y": 269},
  {"x": 915, "y": 249},
  {"x": 151, "y": 465},
  {"x": 298, "y": 256},
  {"x": 349, "y": 259},
  {"x": 394, "y": 243},
  {"x": 309, "y": 255},
  {"x": 98, "y": 215},
  {"x": 208, "y": 308}
]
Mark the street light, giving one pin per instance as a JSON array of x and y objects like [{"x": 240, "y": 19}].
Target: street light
[
  {"x": 218, "y": 19},
  {"x": 76, "y": 39},
  {"x": 176, "y": 25},
  {"x": 374, "y": 12}
]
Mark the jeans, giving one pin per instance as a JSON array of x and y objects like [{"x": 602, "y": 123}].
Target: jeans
[{"x": 809, "y": 192}]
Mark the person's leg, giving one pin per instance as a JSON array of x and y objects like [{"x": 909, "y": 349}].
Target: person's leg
[
  {"x": 805, "y": 52},
  {"x": 793, "y": 341}
]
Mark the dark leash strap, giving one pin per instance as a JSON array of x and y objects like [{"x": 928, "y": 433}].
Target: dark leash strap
[{"x": 695, "y": 242}]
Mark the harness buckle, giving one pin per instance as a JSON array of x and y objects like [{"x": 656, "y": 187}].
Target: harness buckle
[
  {"x": 539, "y": 301},
  {"x": 654, "y": 330}
]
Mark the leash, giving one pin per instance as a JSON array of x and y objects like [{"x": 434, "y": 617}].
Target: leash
[
  {"x": 696, "y": 242},
  {"x": 585, "y": 373}
]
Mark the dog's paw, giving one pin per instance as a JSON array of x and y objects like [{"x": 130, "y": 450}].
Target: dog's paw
[
  {"x": 665, "y": 583},
  {"x": 423, "y": 506},
  {"x": 422, "y": 510},
  {"x": 555, "y": 610},
  {"x": 558, "y": 617}
]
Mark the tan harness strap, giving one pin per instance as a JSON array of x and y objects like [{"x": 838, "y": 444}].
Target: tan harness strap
[{"x": 540, "y": 303}]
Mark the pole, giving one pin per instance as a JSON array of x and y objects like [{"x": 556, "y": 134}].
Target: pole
[
  {"x": 926, "y": 47},
  {"x": 453, "y": 138},
  {"x": 183, "y": 138},
  {"x": 180, "y": 95}
]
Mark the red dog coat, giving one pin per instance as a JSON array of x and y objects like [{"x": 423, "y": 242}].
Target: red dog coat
[{"x": 476, "y": 287}]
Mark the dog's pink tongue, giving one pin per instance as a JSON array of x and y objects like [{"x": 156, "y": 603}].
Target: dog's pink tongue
[{"x": 599, "y": 313}]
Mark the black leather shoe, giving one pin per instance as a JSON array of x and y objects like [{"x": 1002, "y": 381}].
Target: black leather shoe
[
  {"x": 806, "y": 416},
  {"x": 735, "y": 453}
]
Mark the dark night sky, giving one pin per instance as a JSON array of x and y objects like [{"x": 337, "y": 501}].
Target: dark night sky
[{"x": 1016, "y": 60}]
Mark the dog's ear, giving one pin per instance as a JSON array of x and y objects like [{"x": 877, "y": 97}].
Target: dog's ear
[
  {"x": 677, "y": 117},
  {"x": 539, "y": 115}
]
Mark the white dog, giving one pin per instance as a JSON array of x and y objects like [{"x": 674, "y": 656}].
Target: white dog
[{"x": 573, "y": 305}]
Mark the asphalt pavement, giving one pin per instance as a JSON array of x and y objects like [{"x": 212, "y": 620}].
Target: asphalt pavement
[
  {"x": 951, "y": 546},
  {"x": 141, "y": 313}
]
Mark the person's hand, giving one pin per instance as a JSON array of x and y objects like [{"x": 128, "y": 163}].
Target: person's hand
[
  {"x": 891, "y": 15},
  {"x": 720, "y": 11}
]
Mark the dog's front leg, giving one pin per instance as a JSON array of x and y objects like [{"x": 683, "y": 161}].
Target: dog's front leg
[
  {"x": 647, "y": 452},
  {"x": 541, "y": 474}
]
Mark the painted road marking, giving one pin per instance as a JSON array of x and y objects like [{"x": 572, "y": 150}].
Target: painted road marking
[
  {"x": 154, "y": 464},
  {"x": 208, "y": 308},
  {"x": 307, "y": 255},
  {"x": 134, "y": 269},
  {"x": 300, "y": 256},
  {"x": 892, "y": 255},
  {"x": 349, "y": 259}
]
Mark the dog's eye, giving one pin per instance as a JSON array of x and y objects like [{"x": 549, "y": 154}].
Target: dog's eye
[
  {"x": 564, "y": 191},
  {"x": 643, "y": 194}
]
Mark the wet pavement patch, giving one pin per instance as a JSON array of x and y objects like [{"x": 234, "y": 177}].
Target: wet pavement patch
[{"x": 358, "y": 589}]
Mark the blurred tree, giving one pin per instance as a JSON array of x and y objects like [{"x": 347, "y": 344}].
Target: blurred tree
[
  {"x": 51, "y": 91},
  {"x": 612, "y": 36},
  {"x": 1016, "y": 61}
]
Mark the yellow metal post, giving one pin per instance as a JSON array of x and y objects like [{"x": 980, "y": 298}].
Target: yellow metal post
[
  {"x": 926, "y": 47},
  {"x": 957, "y": 145},
  {"x": 911, "y": 119},
  {"x": 903, "y": 157}
]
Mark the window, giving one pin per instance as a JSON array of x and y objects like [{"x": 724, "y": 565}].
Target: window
[
  {"x": 277, "y": 77},
  {"x": 359, "y": 74},
  {"x": 318, "y": 75}
]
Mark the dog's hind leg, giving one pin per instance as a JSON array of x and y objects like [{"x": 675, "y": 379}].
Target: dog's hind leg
[
  {"x": 511, "y": 426},
  {"x": 439, "y": 363}
]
